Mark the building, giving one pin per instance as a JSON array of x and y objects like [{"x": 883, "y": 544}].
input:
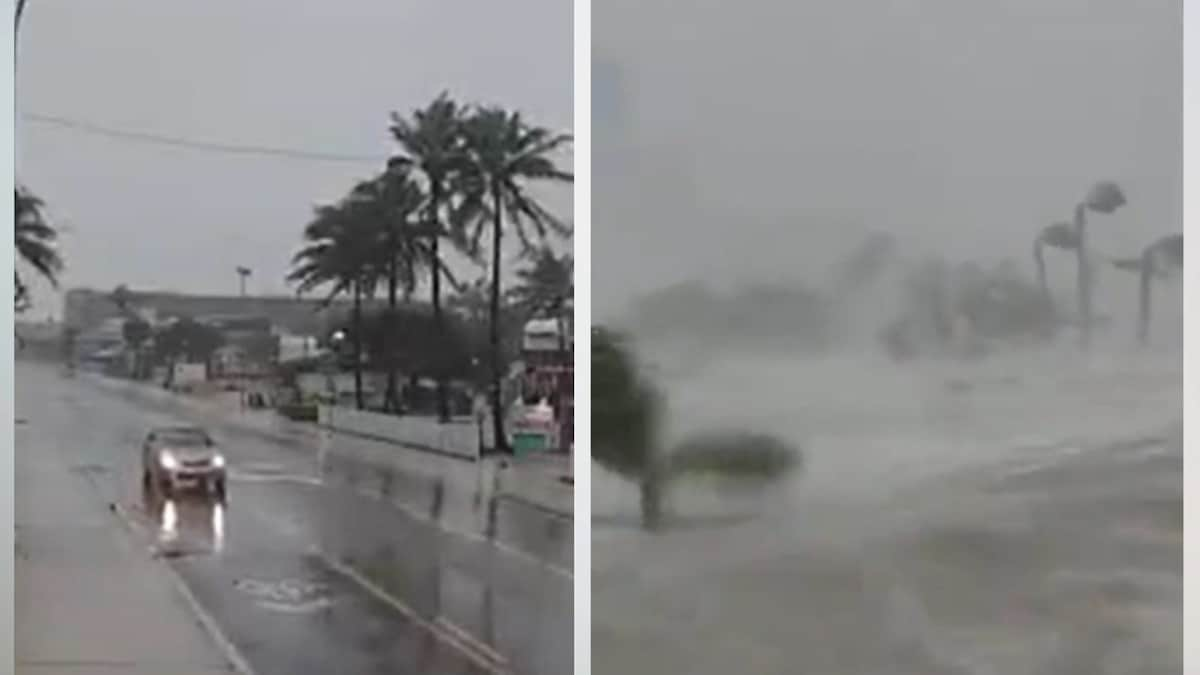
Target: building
[{"x": 85, "y": 308}]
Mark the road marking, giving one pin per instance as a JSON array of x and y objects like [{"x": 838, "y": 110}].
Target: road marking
[
  {"x": 206, "y": 620},
  {"x": 462, "y": 634},
  {"x": 246, "y": 477},
  {"x": 483, "y": 660}
]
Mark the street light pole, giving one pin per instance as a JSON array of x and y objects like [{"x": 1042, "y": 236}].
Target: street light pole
[{"x": 242, "y": 273}]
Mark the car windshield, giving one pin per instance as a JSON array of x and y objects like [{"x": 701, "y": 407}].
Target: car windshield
[{"x": 182, "y": 437}]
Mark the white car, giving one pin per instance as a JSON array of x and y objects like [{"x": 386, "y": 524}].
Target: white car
[{"x": 175, "y": 459}]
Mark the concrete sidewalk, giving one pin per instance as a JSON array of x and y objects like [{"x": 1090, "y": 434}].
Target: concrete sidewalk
[{"x": 88, "y": 598}]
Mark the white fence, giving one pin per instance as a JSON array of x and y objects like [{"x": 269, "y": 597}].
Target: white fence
[{"x": 457, "y": 437}]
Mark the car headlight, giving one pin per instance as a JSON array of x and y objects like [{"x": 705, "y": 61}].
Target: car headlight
[
  {"x": 218, "y": 461},
  {"x": 168, "y": 461}
]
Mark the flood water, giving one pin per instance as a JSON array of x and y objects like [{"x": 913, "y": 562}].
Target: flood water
[{"x": 1021, "y": 514}]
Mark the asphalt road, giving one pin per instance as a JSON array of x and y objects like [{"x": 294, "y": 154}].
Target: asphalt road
[{"x": 281, "y": 568}]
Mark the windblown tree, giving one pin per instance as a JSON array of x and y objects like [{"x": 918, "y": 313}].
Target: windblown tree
[
  {"x": 1060, "y": 236},
  {"x": 626, "y": 435},
  {"x": 341, "y": 255},
  {"x": 546, "y": 283},
  {"x": 504, "y": 155},
  {"x": 1104, "y": 197},
  {"x": 1159, "y": 260},
  {"x": 393, "y": 201},
  {"x": 35, "y": 244},
  {"x": 544, "y": 287},
  {"x": 432, "y": 143}
]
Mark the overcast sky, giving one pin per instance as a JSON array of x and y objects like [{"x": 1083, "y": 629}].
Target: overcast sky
[
  {"x": 297, "y": 73},
  {"x": 736, "y": 140}
]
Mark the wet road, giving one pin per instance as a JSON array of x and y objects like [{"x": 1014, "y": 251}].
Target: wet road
[
  {"x": 291, "y": 568},
  {"x": 1056, "y": 559}
]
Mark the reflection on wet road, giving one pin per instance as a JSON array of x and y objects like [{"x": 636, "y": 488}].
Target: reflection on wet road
[{"x": 269, "y": 566}]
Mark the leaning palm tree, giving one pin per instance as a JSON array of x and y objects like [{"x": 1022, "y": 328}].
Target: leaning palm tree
[
  {"x": 1157, "y": 261},
  {"x": 35, "y": 243},
  {"x": 431, "y": 142},
  {"x": 392, "y": 202},
  {"x": 341, "y": 254},
  {"x": 504, "y": 155},
  {"x": 1061, "y": 236},
  {"x": 1104, "y": 197},
  {"x": 626, "y": 435}
]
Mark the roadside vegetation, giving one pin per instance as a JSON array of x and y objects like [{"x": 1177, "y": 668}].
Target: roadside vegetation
[{"x": 462, "y": 183}]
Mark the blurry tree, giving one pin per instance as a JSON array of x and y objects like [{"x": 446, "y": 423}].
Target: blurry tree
[
  {"x": 34, "y": 244},
  {"x": 1157, "y": 261},
  {"x": 626, "y": 426}
]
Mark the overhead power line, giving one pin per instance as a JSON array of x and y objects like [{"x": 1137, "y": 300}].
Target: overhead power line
[{"x": 203, "y": 146}]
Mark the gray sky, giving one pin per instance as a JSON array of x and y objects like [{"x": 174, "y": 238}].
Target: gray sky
[
  {"x": 298, "y": 73},
  {"x": 758, "y": 134}
]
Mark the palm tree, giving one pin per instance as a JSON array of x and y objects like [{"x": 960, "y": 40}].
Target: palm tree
[
  {"x": 505, "y": 154},
  {"x": 472, "y": 301},
  {"x": 626, "y": 435},
  {"x": 545, "y": 286},
  {"x": 546, "y": 282},
  {"x": 392, "y": 201},
  {"x": 432, "y": 143},
  {"x": 1104, "y": 197},
  {"x": 1157, "y": 261},
  {"x": 35, "y": 243},
  {"x": 1061, "y": 236},
  {"x": 341, "y": 253}
]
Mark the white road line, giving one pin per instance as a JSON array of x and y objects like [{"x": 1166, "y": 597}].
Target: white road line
[
  {"x": 482, "y": 660},
  {"x": 462, "y": 634},
  {"x": 222, "y": 642}
]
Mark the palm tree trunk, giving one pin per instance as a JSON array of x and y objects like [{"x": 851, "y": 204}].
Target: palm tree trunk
[
  {"x": 651, "y": 486},
  {"x": 1083, "y": 278},
  {"x": 499, "y": 440},
  {"x": 357, "y": 323},
  {"x": 390, "y": 402},
  {"x": 1039, "y": 262},
  {"x": 435, "y": 200},
  {"x": 1144, "y": 296}
]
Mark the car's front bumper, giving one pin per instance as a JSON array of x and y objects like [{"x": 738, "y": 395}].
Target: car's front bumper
[{"x": 193, "y": 478}]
